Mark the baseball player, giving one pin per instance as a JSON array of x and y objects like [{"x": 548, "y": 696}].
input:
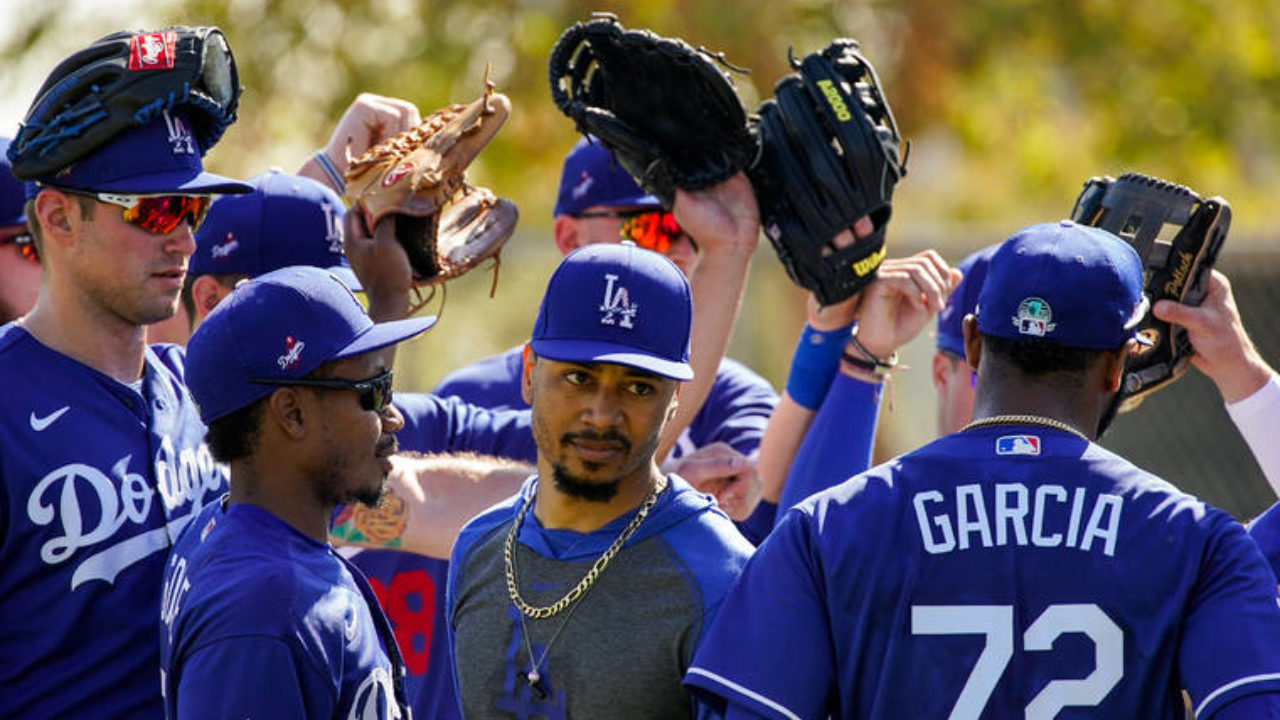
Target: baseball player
[
  {"x": 1012, "y": 568},
  {"x": 102, "y": 460},
  {"x": 716, "y": 439},
  {"x": 546, "y": 588},
  {"x": 260, "y": 616},
  {"x": 19, "y": 261}
]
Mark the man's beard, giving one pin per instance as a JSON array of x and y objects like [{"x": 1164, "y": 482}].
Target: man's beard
[{"x": 566, "y": 483}]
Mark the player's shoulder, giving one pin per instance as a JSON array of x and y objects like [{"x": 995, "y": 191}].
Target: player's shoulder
[
  {"x": 486, "y": 523},
  {"x": 735, "y": 375},
  {"x": 698, "y": 530},
  {"x": 482, "y": 376},
  {"x": 19, "y": 347}
]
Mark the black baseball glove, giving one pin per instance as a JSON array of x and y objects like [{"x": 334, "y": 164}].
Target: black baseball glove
[
  {"x": 1178, "y": 237},
  {"x": 668, "y": 111},
  {"x": 122, "y": 80},
  {"x": 830, "y": 155}
]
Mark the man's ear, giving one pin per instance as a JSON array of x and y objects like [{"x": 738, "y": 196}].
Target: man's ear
[
  {"x": 527, "y": 359},
  {"x": 207, "y": 292},
  {"x": 568, "y": 234},
  {"x": 285, "y": 409},
  {"x": 675, "y": 403},
  {"x": 58, "y": 214},
  {"x": 1113, "y": 374},
  {"x": 972, "y": 341},
  {"x": 941, "y": 368}
]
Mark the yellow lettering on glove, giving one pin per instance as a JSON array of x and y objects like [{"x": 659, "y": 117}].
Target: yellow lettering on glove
[
  {"x": 869, "y": 263},
  {"x": 836, "y": 102}
]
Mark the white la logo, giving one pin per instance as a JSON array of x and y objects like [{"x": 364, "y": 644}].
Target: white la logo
[
  {"x": 334, "y": 234},
  {"x": 179, "y": 137},
  {"x": 617, "y": 304}
]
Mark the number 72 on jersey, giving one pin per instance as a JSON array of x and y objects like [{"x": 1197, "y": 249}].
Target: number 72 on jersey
[{"x": 997, "y": 624}]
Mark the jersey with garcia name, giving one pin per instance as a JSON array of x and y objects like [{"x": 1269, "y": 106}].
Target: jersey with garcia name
[
  {"x": 999, "y": 572},
  {"x": 98, "y": 478}
]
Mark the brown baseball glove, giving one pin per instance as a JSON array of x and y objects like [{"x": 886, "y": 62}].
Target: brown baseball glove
[{"x": 445, "y": 225}]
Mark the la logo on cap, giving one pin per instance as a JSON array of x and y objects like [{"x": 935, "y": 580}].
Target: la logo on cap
[
  {"x": 179, "y": 136},
  {"x": 1034, "y": 317},
  {"x": 617, "y": 308}
]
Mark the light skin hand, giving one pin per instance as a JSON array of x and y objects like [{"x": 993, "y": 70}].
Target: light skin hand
[
  {"x": 1223, "y": 350},
  {"x": 369, "y": 120},
  {"x": 904, "y": 297},
  {"x": 724, "y": 215},
  {"x": 720, "y": 470}
]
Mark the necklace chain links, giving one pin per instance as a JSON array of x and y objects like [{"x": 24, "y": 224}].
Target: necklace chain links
[
  {"x": 509, "y": 560},
  {"x": 1024, "y": 420}
]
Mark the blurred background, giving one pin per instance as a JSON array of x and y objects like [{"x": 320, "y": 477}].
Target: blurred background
[{"x": 1010, "y": 106}]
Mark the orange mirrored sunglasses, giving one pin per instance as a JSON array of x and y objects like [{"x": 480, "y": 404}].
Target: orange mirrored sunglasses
[
  {"x": 25, "y": 244},
  {"x": 654, "y": 229},
  {"x": 157, "y": 214}
]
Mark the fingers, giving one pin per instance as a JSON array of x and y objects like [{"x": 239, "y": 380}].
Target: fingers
[
  {"x": 712, "y": 462},
  {"x": 369, "y": 120},
  {"x": 924, "y": 278}
]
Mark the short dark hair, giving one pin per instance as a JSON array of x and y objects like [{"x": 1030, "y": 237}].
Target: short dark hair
[
  {"x": 1040, "y": 357},
  {"x": 33, "y": 223},
  {"x": 235, "y": 436}
]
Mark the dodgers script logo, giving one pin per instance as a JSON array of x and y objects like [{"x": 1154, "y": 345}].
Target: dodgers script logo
[
  {"x": 585, "y": 181},
  {"x": 1033, "y": 318},
  {"x": 179, "y": 136},
  {"x": 617, "y": 304},
  {"x": 375, "y": 698},
  {"x": 1018, "y": 445},
  {"x": 292, "y": 353},
  {"x": 227, "y": 247},
  {"x": 91, "y": 508}
]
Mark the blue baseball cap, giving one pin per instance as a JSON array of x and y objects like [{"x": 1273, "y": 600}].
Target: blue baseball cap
[
  {"x": 617, "y": 303},
  {"x": 12, "y": 192},
  {"x": 592, "y": 177},
  {"x": 280, "y": 326},
  {"x": 286, "y": 220},
  {"x": 158, "y": 158},
  {"x": 1070, "y": 284},
  {"x": 963, "y": 300}
]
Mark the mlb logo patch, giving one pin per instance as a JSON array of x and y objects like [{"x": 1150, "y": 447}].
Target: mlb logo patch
[
  {"x": 1018, "y": 445},
  {"x": 152, "y": 51}
]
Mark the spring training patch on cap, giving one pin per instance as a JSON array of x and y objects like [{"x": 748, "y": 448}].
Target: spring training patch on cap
[{"x": 1033, "y": 318}]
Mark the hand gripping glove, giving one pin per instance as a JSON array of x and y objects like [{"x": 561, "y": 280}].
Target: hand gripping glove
[
  {"x": 668, "y": 111},
  {"x": 122, "y": 80},
  {"x": 1178, "y": 236},
  {"x": 829, "y": 155},
  {"x": 445, "y": 225}
]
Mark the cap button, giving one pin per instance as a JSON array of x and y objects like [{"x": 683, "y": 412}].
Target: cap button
[{"x": 1066, "y": 223}]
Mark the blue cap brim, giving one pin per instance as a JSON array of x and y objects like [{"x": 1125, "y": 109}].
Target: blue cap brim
[
  {"x": 388, "y": 333},
  {"x": 174, "y": 183},
  {"x": 347, "y": 276},
  {"x": 587, "y": 351}
]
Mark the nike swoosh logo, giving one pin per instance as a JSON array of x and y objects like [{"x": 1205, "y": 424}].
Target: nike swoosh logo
[{"x": 39, "y": 424}]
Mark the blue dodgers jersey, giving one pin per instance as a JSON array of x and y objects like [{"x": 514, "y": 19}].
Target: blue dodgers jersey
[
  {"x": 258, "y": 620},
  {"x": 410, "y": 587},
  {"x": 735, "y": 412},
  {"x": 1000, "y": 572},
  {"x": 1265, "y": 531},
  {"x": 98, "y": 479}
]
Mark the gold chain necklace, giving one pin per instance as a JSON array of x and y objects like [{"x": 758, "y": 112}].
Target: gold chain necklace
[
  {"x": 1024, "y": 420},
  {"x": 508, "y": 556}
]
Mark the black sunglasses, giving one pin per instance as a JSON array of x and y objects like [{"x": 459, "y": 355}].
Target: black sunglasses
[{"x": 375, "y": 393}]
